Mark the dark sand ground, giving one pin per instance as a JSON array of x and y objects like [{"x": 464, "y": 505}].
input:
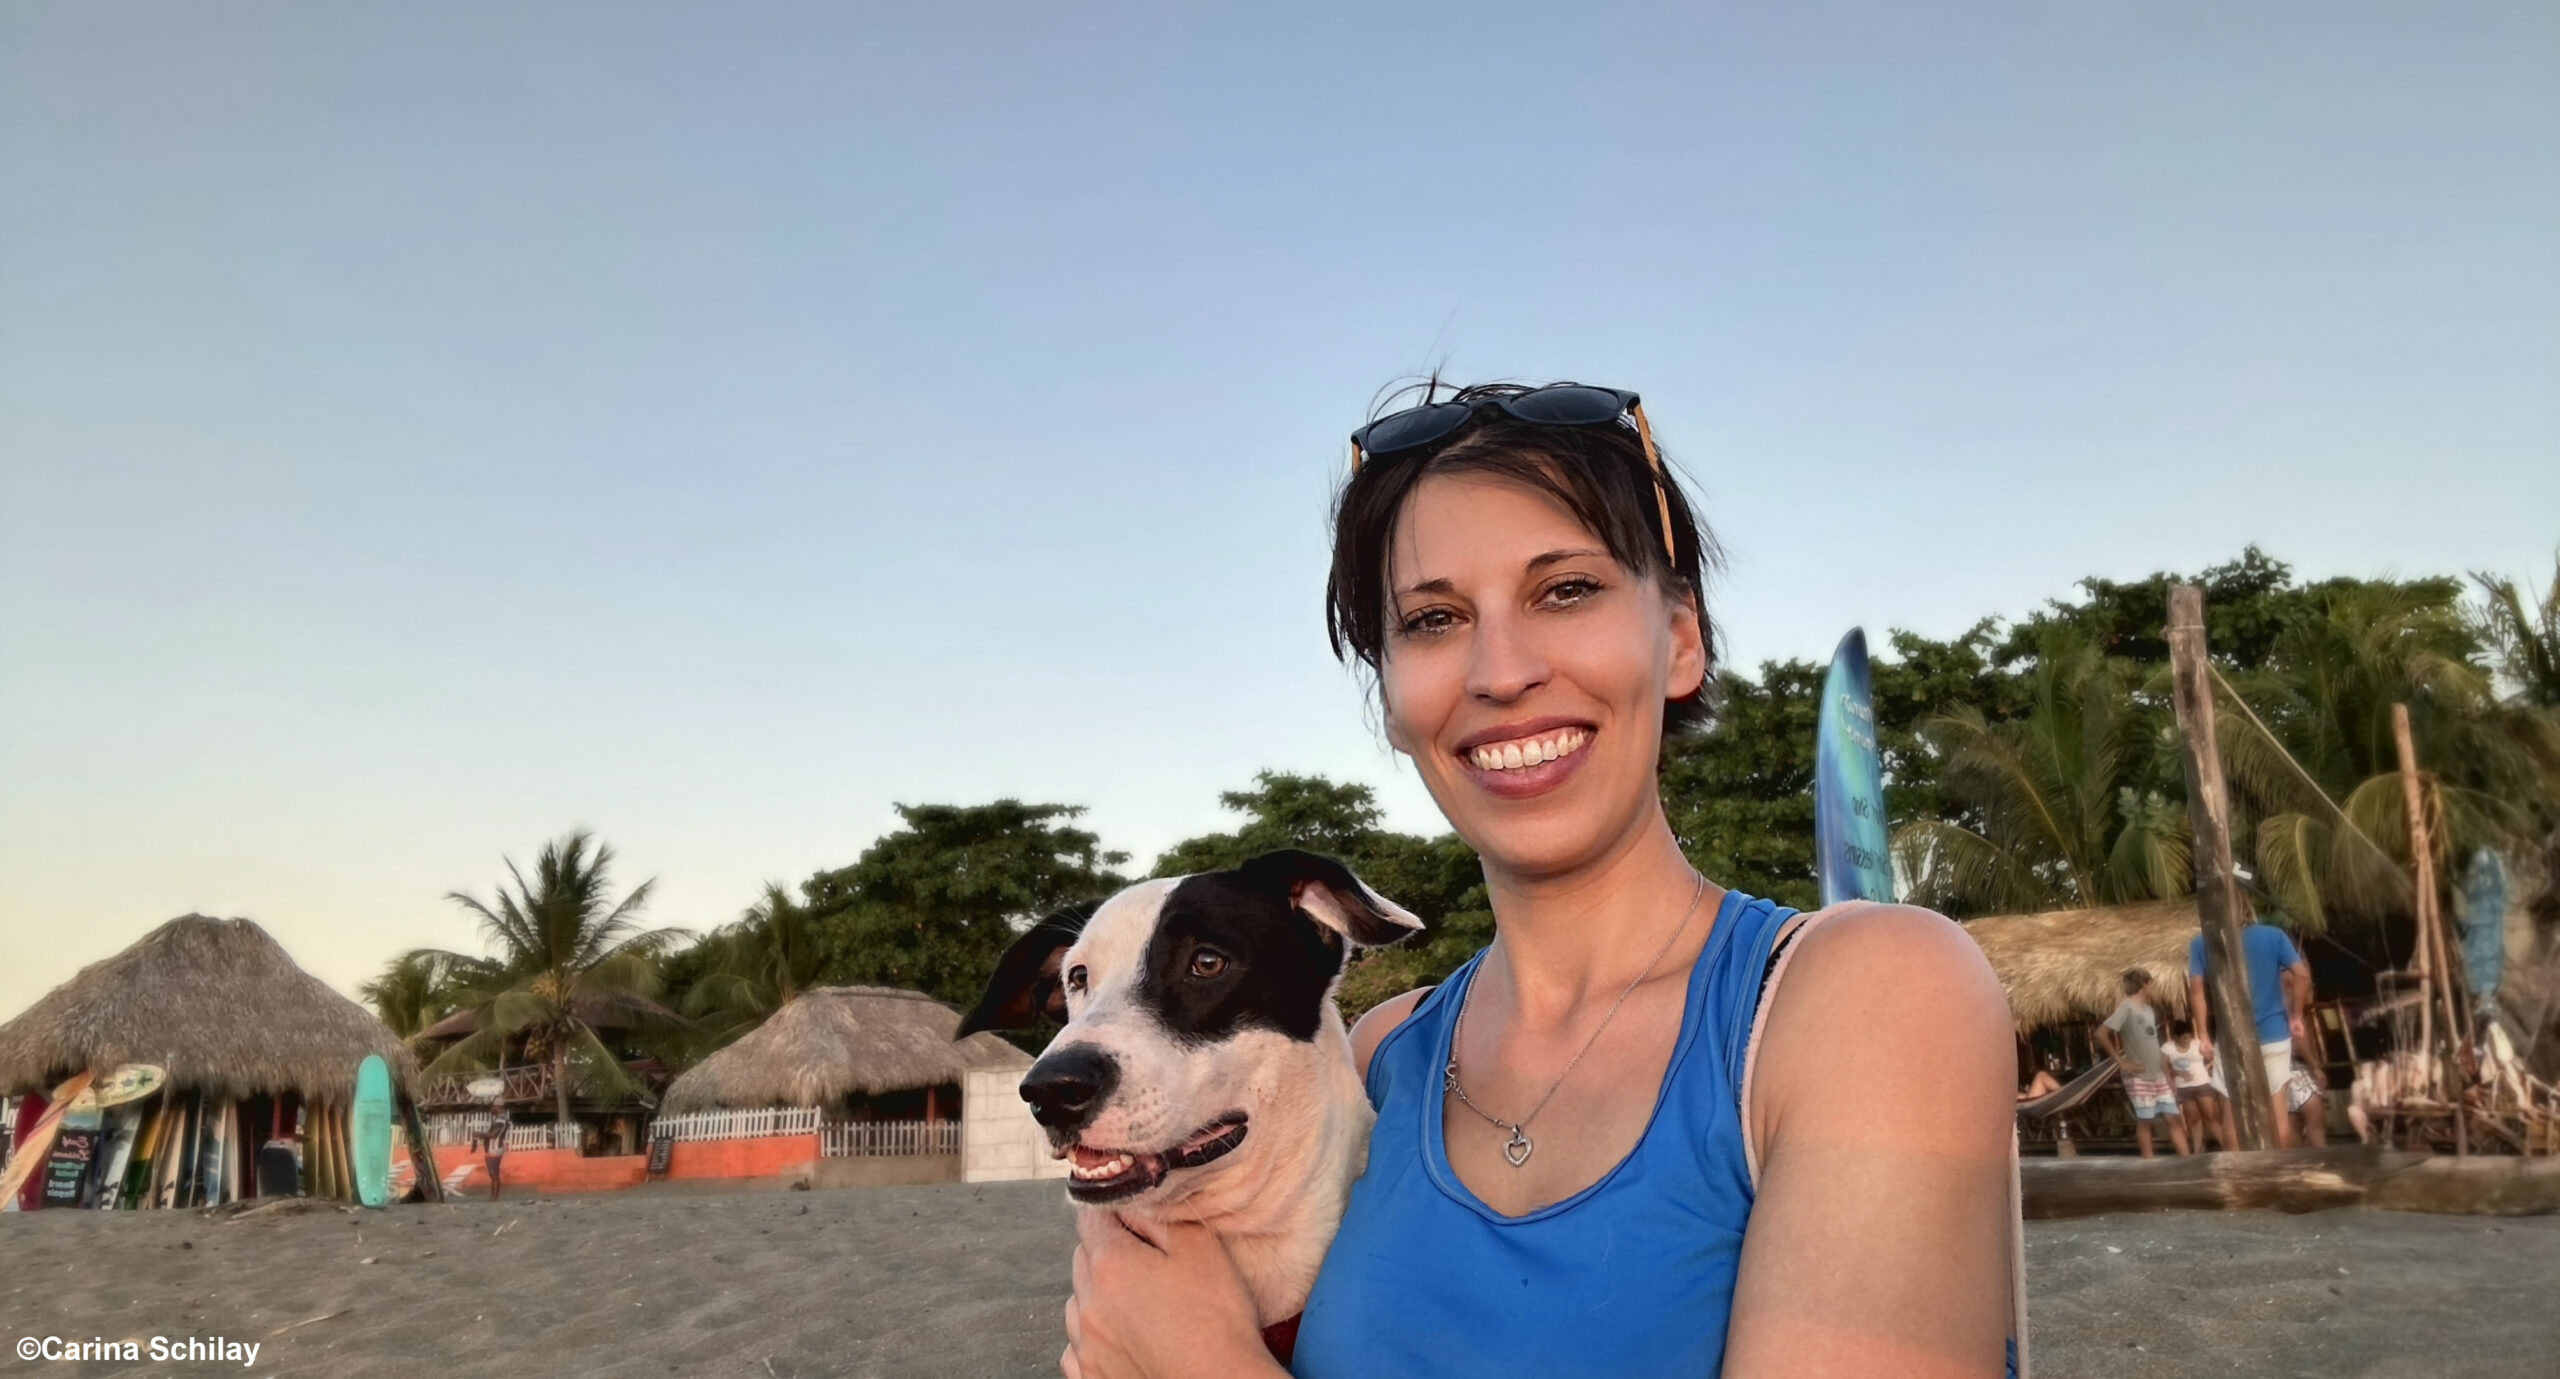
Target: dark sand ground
[{"x": 967, "y": 1281}]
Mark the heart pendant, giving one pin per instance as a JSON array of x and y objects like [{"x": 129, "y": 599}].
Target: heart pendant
[{"x": 1517, "y": 1148}]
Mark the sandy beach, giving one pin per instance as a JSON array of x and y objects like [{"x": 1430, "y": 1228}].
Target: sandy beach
[{"x": 958, "y": 1280}]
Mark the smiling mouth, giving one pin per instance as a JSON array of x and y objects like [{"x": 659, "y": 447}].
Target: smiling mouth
[
  {"x": 1519, "y": 754},
  {"x": 1108, "y": 1175}
]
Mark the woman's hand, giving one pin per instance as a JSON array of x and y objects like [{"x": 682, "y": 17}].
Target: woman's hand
[{"x": 1161, "y": 1305}]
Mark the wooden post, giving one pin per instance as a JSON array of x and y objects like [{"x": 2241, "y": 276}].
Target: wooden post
[
  {"x": 2432, "y": 948},
  {"x": 2218, "y": 898}
]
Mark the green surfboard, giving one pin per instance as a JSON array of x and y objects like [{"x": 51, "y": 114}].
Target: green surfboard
[{"x": 370, "y": 1123}]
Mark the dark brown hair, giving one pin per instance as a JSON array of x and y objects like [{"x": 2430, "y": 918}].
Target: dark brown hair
[{"x": 1599, "y": 473}]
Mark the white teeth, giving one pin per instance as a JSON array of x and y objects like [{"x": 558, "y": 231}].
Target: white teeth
[
  {"x": 1513, "y": 756},
  {"x": 1112, "y": 1167}
]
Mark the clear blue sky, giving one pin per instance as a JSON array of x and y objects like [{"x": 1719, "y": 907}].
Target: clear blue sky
[{"x": 424, "y": 430}]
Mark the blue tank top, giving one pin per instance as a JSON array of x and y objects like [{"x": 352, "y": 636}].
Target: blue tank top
[{"x": 1630, "y": 1277}]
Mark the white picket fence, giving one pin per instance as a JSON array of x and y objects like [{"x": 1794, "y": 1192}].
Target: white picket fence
[
  {"x": 736, "y": 1125},
  {"x": 466, "y": 1128},
  {"x": 888, "y": 1139}
]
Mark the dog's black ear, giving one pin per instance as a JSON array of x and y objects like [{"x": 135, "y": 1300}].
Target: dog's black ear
[
  {"x": 1025, "y": 989},
  {"x": 1326, "y": 892}
]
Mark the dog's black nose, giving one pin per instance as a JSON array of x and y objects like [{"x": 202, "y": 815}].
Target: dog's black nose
[{"x": 1068, "y": 1085}]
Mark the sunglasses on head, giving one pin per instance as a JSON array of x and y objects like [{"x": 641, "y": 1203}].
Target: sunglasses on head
[{"x": 1558, "y": 404}]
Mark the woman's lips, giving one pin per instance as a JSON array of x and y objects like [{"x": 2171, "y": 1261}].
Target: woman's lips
[{"x": 1531, "y": 764}]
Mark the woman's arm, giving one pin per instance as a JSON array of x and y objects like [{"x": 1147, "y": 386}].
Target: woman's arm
[
  {"x": 1165, "y": 1305},
  {"x": 1880, "y": 1239}
]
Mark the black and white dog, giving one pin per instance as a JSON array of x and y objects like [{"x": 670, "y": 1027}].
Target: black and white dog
[{"x": 1203, "y": 1073}]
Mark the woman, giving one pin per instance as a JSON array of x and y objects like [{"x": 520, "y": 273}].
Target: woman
[{"x": 1599, "y": 1149}]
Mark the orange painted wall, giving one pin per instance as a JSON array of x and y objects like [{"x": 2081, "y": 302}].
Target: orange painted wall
[
  {"x": 561, "y": 1170},
  {"x": 762, "y": 1157}
]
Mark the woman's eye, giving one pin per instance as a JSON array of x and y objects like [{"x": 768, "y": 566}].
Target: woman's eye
[
  {"x": 1207, "y": 963},
  {"x": 1571, "y": 590},
  {"x": 1075, "y": 979},
  {"x": 1428, "y": 622}
]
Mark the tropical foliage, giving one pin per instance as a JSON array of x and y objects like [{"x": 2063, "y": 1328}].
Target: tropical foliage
[
  {"x": 2035, "y": 765},
  {"x": 566, "y": 962},
  {"x": 931, "y": 905}
]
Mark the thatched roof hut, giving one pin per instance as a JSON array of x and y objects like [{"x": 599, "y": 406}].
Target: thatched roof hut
[
  {"x": 2063, "y": 966},
  {"x": 836, "y": 1042},
  {"x": 217, "y": 1003}
]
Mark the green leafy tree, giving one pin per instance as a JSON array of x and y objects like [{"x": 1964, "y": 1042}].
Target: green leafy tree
[
  {"x": 1739, "y": 794},
  {"x": 2067, "y": 805},
  {"x": 931, "y": 905},
  {"x": 2525, "y": 635},
  {"x": 414, "y": 991},
  {"x": 755, "y": 965},
  {"x": 2314, "y": 759},
  {"x": 567, "y": 961}
]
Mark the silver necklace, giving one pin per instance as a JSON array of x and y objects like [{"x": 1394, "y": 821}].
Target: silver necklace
[{"x": 1518, "y": 1148}]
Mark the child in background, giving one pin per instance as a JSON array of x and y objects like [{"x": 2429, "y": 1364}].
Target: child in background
[
  {"x": 2206, "y": 1103},
  {"x": 2131, "y": 1036}
]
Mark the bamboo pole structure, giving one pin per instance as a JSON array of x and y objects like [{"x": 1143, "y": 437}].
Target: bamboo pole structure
[
  {"x": 2218, "y": 898},
  {"x": 2432, "y": 948}
]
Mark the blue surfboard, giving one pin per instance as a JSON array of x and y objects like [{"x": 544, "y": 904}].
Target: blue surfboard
[
  {"x": 1851, "y": 852},
  {"x": 369, "y": 1121}
]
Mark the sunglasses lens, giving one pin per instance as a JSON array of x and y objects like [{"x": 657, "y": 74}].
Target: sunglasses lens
[
  {"x": 1413, "y": 427},
  {"x": 1568, "y": 406}
]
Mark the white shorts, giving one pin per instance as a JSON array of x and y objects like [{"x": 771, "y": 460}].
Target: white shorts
[{"x": 2278, "y": 1058}]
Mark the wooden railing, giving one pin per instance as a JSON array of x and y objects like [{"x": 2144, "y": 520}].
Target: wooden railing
[
  {"x": 736, "y": 1125},
  {"x": 879, "y": 1139},
  {"x": 468, "y": 1128}
]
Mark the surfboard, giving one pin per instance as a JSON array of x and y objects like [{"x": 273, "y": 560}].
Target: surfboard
[
  {"x": 32, "y": 1152},
  {"x": 316, "y": 1158},
  {"x": 370, "y": 1121},
  {"x": 191, "y": 1154},
  {"x": 115, "y": 1155},
  {"x": 225, "y": 1128},
  {"x": 341, "y": 1162},
  {"x": 133, "y": 1191},
  {"x": 164, "y": 1168},
  {"x": 132, "y": 1082},
  {"x": 73, "y": 1164}
]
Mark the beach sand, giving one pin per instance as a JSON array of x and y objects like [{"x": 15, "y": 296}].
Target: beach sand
[{"x": 963, "y": 1280}]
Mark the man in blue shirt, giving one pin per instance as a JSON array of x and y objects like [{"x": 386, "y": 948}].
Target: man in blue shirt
[{"x": 2279, "y": 988}]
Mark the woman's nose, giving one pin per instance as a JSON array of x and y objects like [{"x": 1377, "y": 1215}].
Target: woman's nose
[{"x": 1506, "y": 663}]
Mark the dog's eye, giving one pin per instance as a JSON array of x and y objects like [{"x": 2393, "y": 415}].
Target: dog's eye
[
  {"x": 1075, "y": 979},
  {"x": 1208, "y": 962}
]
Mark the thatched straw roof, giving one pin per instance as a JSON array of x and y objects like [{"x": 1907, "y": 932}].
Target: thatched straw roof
[
  {"x": 840, "y": 1041},
  {"x": 2061, "y": 967},
  {"x": 214, "y": 1001}
]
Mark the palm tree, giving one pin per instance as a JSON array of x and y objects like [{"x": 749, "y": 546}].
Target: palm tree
[
  {"x": 2525, "y": 637},
  {"x": 566, "y": 964},
  {"x": 759, "y": 964},
  {"x": 2065, "y": 806},
  {"x": 414, "y": 992},
  {"x": 2311, "y": 752}
]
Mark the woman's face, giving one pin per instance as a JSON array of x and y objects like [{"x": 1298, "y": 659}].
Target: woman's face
[{"x": 1526, "y": 671}]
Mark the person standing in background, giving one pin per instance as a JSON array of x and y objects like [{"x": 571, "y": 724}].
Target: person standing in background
[
  {"x": 2131, "y": 1036},
  {"x": 2279, "y": 989},
  {"x": 494, "y": 1144},
  {"x": 2205, "y": 1099}
]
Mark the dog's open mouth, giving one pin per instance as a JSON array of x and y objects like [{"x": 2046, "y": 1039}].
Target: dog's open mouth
[{"x": 1107, "y": 1175}]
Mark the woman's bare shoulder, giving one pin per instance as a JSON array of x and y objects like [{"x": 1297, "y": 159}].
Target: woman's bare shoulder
[
  {"x": 1381, "y": 1021},
  {"x": 1883, "y": 1004}
]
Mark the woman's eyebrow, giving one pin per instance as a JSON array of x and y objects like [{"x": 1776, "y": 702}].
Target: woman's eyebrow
[{"x": 1537, "y": 563}]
